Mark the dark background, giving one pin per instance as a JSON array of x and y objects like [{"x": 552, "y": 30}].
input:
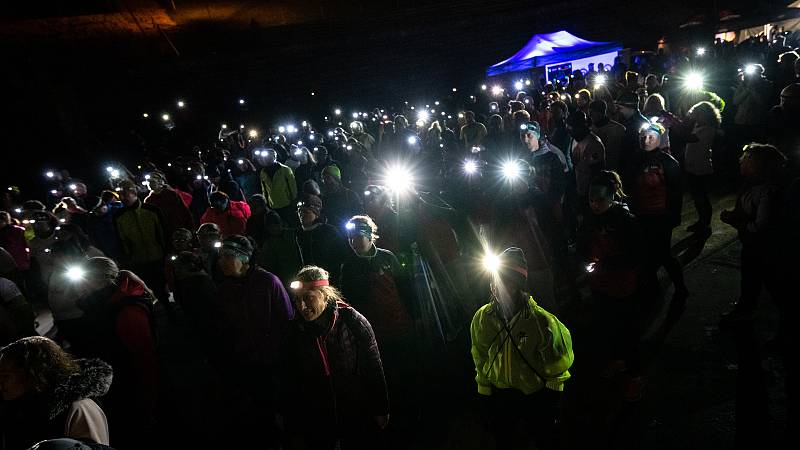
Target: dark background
[{"x": 77, "y": 75}]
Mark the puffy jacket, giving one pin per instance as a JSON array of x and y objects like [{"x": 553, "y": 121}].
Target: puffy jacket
[
  {"x": 67, "y": 411},
  {"x": 140, "y": 231},
  {"x": 279, "y": 189},
  {"x": 537, "y": 353},
  {"x": 231, "y": 221},
  {"x": 12, "y": 238},
  {"x": 655, "y": 184},
  {"x": 334, "y": 372},
  {"x": 173, "y": 210}
]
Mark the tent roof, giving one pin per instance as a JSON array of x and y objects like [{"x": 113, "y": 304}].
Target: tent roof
[{"x": 552, "y": 48}]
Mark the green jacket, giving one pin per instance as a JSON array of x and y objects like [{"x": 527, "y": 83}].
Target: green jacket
[
  {"x": 542, "y": 357},
  {"x": 140, "y": 232},
  {"x": 281, "y": 189}
]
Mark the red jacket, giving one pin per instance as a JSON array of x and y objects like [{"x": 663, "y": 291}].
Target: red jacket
[
  {"x": 173, "y": 209},
  {"x": 12, "y": 238},
  {"x": 231, "y": 221}
]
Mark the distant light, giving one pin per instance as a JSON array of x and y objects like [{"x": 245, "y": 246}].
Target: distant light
[
  {"x": 53, "y": 191},
  {"x": 145, "y": 115},
  {"x": 355, "y": 115},
  {"x": 700, "y": 51},
  {"x": 73, "y": 187},
  {"x": 173, "y": 257},
  {"x": 350, "y": 226},
  {"x": 518, "y": 85},
  {"x": 750, "y": 69},
  {"x": 50, "y": 174},
  {"x": 115, "y": 173},
  {"x": 217, "y": 244},
  {"x": 483, "y": 87},
  {"x": 436, "y": 103},
  {"x": 241, "y": 161},
  {"x": 527, "y": 82},
  {"x": 241, "y": 101},
  {"x": 423, "y": 116},
  {"x": 169, "y": 164},
  {"x": 330, "y": 133},
  {"x": 199, "y": 177},
  {"x": 224, "y": 127},
  {"x": 18, "y": 210},
  {"x": 181, "y": 104},
  {"x": 337, "y": 112},
  {"x": 252, "y": 133},
  {"x": 455, "y": 90},
  {"x": 165, "y": 117},
  {"x": 241, "y": 127},
  {"x": 281, "y": 129},
  {"x": 304, "y": 124},
  {"x": 313, "y": 94},
  {"x": 497, "y": 90},
  {"x": 412, "y": 140}
]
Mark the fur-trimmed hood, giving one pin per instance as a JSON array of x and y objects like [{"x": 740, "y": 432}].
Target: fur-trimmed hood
[{"x": 93, "y": 381}]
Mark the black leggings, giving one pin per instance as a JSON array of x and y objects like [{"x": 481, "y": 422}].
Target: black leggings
[
  {"x": 698, "y": 188},
  {"x": 658, "y": 242}
]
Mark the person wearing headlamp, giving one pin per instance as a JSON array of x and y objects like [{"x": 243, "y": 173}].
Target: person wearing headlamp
[
  {"x": 173, "y": 210},
  {"x": 334, "y": 378},
  {"x": 255, "y": 313},
  {"x": 372, "y": 281},
  {"x": 549, "y": 168},
  {"x": 321, "y": 243},
  {"x": 230, "y": 215},
  {"x": 277, "y": 183},
  {"x": 655, "y": 182},
  {"x": 522, "y": 353}
]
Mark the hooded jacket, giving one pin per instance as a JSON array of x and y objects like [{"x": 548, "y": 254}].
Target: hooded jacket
[
  {"x": 335, "y": 374},
  {"x": 231, "y": 221},
  {"x": 119, "y": 321},
  {"x": 531, "y": 351},
  {"x": 68, "y": 410}
]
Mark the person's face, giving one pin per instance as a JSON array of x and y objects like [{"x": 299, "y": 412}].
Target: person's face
[
  {"x": 649, "y": 141},
  {"x": 80, "y": 190},
  {"x": 360, "y": 243},
  {"x": 329, "y": 182},
  {"x": 156, "y": 184},
  {"x": 268, "y": 158},
  {"x": 13, "y": 382},
  {"x": 530, "y": 140},
  {"x": 310, "y": 303},
  {"x": 129, "y": 197},
  {"x": 599, "y": 203},
  {"x": 582, "y": 101},
  {"x": 306, "y": 216},
  {"x": 230, "y": 264}
]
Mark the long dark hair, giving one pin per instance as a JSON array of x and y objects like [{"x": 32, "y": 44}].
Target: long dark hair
[{"x": 44, "y": 363}]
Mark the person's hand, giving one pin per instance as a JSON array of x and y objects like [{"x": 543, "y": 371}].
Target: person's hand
[{"x": 382, "y": 421}]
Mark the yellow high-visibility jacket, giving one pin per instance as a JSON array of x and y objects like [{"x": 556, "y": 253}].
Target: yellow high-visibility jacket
[{"x": 542, "y": 357}]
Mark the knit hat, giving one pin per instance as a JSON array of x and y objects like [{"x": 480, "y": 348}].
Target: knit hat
[
  {"x": 313, "y": 203},
  {"x": 531, "y": 127},
  {"x": 333, "y": 171},
  {"x": 629, "y": 99}
]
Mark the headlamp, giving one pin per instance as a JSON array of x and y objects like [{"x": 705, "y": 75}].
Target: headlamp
[
  {"x": 49, "y": 174},
  {"x": 297, "y": 284},
  {"x": 75, "y": 273},
  {"x": 470, "y": 167},
  {"x": 511, "y": 170},
  {"x": 218, "y": 244}
]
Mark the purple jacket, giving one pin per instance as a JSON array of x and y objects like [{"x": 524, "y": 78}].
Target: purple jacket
[{"x": 255, "y": 315}]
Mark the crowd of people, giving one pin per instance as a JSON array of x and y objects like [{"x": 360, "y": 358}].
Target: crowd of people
[{"x": 322, "y": 272}]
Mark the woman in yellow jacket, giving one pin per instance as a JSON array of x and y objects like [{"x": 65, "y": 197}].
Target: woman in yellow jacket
[{"x": 522, "y": 354}]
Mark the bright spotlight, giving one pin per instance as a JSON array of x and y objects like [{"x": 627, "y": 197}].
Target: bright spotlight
[
  {"x": 491, "y": 262},
  {"x": 165, "y": 117},
  {"x": 398, "y": 179},
  {"x": 470, "y": 167},
  {"x": 694, "y": 81},
  {"x": 511, "y": 170},
  {"x": 145, "y": 115},
  {"x": 412, "y": 140},
  {"x": 700, "y": 51},
  {"x": 750, "y": 69},
  {"x": 50, "y": 174},
  {"x": 281, "y": 129},
  {"x": 600, "y": 80},
  {"x": 241, "y": 101},
  {"x": 497, "y": 90},
  {"x": 484, "y": 87},
  {"x": 337, "y": 111},
  {"x": 423, "y": 116},
  {"x": 181, "y": 104},
  {"x": 75, "y": 273}
]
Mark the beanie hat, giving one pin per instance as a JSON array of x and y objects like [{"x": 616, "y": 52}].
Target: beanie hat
[
  {"x": 628, "y": 99},
  {"x": 258, "y": 199},
  {"x": 313, "y": 203},
  {"x": 333, "y": 171}
]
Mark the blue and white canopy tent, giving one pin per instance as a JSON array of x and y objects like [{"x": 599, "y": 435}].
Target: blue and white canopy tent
[{"x": 557, "y": 52}]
